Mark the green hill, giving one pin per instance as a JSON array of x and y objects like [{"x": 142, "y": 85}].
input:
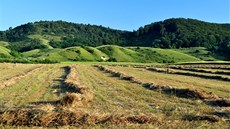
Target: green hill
[
  {"x": 64, "y": 41},
  {"x": 112, "y": 53},
  {"x": 4, "y": 52},
  {"x": 202, "y": 53}
]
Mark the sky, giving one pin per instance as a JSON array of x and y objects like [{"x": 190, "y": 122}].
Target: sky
[{"x": 116, "y": 14}]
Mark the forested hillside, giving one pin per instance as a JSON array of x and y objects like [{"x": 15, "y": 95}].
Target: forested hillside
[
  {"x": 171, "y": 33},
  {"x": 184, "y": 33}
]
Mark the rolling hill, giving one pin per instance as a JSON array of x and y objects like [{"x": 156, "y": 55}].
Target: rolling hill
[
  {"x": 182, "y": 40},
  {"x": 112, "y": 53}
]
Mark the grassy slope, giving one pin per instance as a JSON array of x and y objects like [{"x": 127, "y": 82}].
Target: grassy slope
[
  {"x": 44, "y": 41},
  {"x": 164, "y": 55},
  {"x": 201, "y": 53},
  {"x": 121, "y": 54},
  {"x": 3, "y": 50},
  {"x": 2, "y": 43}
]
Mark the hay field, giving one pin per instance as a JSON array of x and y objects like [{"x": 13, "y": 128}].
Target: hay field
[{"x": 95, "y": 96}]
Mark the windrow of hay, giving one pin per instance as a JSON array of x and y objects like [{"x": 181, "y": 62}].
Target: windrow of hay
[
  {"x": 80, "y": 93},
  {"x": 179, "y": 92},
  {"x": 223, "y": 102},
  {"x": 169, "y": 71},
  {"x": 30, "y": 118},
  {"x": 224, "y": 113},
  {"x": 202, "y": 70},
  {"x": 209, "y": 66},
  {"x": 14, "y": 79},
  {"x": 210, "y": 118}
]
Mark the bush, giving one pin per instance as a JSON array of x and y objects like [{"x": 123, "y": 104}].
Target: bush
[
  {"x": 15, "y": 54},
  {"x": 112, "y": 59},
  {"x": 197, "y": 51}
]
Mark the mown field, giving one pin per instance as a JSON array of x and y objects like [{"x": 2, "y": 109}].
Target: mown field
[{"x": 114, "y": 96}]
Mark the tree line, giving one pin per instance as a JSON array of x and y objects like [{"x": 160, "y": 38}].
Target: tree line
[{"x": 170, "y": 33}]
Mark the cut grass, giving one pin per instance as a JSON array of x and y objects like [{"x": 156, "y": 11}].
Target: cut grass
[
  {"x": 191, "y": 73},
  {"x": 117, "y": 103},
  {"x": 34, "y": 89},
  {"x": 221, "y": 88},
  {"x": 10, "y": 70},
  {"x": 209, "y": 97}
]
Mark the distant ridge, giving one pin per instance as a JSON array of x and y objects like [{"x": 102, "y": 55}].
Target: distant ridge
[{"x": 170, "y": 33}]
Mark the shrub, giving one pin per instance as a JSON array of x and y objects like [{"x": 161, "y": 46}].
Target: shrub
[{"x": 112, "y": 59}]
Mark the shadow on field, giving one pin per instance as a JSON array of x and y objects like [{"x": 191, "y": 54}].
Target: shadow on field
[
  {"x": 45, "y": 102},
  {"x": 59, "y": 88}
]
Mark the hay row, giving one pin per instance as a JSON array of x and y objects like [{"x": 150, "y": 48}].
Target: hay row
[
  {"x": 210, "y": 118},
  {"x": 218, "y": 77},
  {"x": 209, "y": 66},
  {"x": 14, "y": 79},
  {"x": 207, "y": 97},
  {"x": 202, "y": 70},
  {"x": 41, "y": 118},
  {"x": 80, "y": 94}
]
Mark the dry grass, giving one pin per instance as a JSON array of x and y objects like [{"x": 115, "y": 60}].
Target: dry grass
[
  {"x": 209, "y": 118},
  {"x": 185, "y": 93},
  {"x": 81, "y": 94},
  {"x": 187, "y": 73},
  {"x": 218, "y": 87},
  {"x": 77, "y": 118},
  {"x": 11, "y": 70},
  {"x": 14, "y": 79},
  {"x": 203, "y": 70},
  {"x": 120, "y": 102},
  {"x": 71, "y": 99}
]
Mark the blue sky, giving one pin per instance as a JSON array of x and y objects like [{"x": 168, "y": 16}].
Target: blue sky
[{"x": 117, "y": 14}]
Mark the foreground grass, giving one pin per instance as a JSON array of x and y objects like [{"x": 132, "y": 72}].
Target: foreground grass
[
  {"x": 41, "y": 86},
  {"x": 112, "y": 96}
]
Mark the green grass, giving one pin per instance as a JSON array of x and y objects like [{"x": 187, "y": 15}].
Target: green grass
[
  {"x": 44, "y": 41},
  {"x": 31, "y": 53},
  {"x": 2, "y": 43},
  {"x": 201, "y": 53},
  {"x": 4, "y": 52},
  {"x": 164, "y": 55},
  {"x": 123, "y": 54}
]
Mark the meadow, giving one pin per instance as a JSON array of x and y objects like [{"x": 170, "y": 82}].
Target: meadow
[{"x": 114, "y": 96}]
